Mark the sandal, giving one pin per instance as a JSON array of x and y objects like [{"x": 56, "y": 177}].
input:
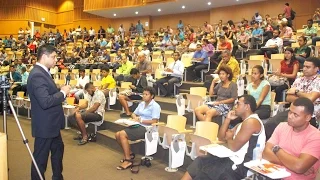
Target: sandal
[
  {"x": 124, "y": 168},
  {"x": 83, "y": 142},
  {"x": 132, "y": 156},
  {"x": 135, "y": 168}
]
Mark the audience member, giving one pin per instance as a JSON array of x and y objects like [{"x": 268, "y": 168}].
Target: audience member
[
  {"x": 123, "y": 71},
  {"x": 226, "y": 92},
  {"x": 307, "y": 86},
  {"x": 91, "y": 111},
  {"x": 14, "y": 78},
  {"x": 139, "y": 82},
  {"x": 257, "y": 34},
  {"x": 242, "y": 139},
  {"x": 200, "y": 58},
  {"x": 288, "y": 70},
  {"x": 272, "y": 46},
  {"x": 296, "y": 144},
  {"x": 259, "y": 88},
  {"x": 146, "y": 114},
  {"x": 107, "y": 81},
  {"x": 310, "y": 32},
  {"x": 81, "y": 82},
  {"x": 287, "y": 14},
  {"x": 303, "y": 51},
  {"x": 175, "y": 70},
  {"x": 143, "y": 65}
]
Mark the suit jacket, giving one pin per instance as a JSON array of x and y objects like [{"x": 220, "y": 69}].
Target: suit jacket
[
  {"x": 15, "y": 75},
  {"x": 46, "y": 102},
  {"x": 141, "y": 84}
]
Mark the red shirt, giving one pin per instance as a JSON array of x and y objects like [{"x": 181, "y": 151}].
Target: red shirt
[
  {"x": 287, "y": 11},
  {"x": 227, "y": 45},
  {"x": 287, "y": 68}
]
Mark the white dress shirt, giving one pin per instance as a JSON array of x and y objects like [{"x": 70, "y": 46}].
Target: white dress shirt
[{"x": 177, "y": 68}]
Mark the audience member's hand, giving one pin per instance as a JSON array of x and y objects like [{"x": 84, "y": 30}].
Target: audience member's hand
[
  {"x": 291, "y": 91},
  {"x": 232, "y": 115},
  {"x": 132, "y": 86},
  {"x": 66, "y": 89}
]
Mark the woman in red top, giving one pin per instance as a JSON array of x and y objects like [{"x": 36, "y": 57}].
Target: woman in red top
[{"x": 289, "y": 70}]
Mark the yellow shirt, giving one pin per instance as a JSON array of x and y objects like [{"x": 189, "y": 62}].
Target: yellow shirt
[
  {"x": 108, "y": 80},
  {"x": 234, "y": 65},
  {"x": 4, "y": 70}
]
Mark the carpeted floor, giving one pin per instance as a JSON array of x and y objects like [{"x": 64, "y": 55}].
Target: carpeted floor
[{"x": 89, "y": 162}]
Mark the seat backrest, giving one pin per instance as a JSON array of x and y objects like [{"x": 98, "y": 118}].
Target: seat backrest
[
  {"x": 186, "y": 60},
  {"x": 62, "y": 76},
  {"x": 87, "y": 71},
  {"x": 96, "y": 71},
  {"x": 256, "y": 58},
  {"x": 125, "y": 85},
  {"x": 273, "y": 98},
  {"x": 295, "y": 45},
  {"x": 154, "y": 66},
  {"x": 158, "y": 60},
  {"x": 82, "y": 101},
  {"x": 176, "y": 122},
  {"x": 207, "y": 130},
  {"x": 195, "y": 101},
  {"x": 64, "y": 71},
  {"x": 96, "y": 83},
  {"x": 277, "y": 56},
  {"x": 158, "y": 74},
  {"x": 73, "y": 83},
  {"x": 318, "y": 43},
  {"x": 169, "y": 61},
  {"x": 75, "y": 71},
  {"x": 252, "y": 63},
  {"x": 200, "y": 91},
  {"x": 94, "y": 76},
  {"x": 275, "y": 64}
]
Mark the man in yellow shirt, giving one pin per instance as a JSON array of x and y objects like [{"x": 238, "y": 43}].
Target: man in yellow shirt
[
  {"x": 107, "y": 81},
  {"x": 230, "y": 62}
]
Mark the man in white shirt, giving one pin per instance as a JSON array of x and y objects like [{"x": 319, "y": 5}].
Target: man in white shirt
[
  {"x": 258, "y": 18},
  {"x": 20, "y": 34},
  {"x": 146, "y": 51},
  {"x": 92, "y": 33},
  {"x": 82, "y": 81},
  {"x": 174, "y": 72},
  {"x": 121, "y": 31},
  {"x": 273, "y": 45}
]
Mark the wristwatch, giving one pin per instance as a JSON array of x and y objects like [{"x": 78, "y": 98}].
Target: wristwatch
[
  {"x": 296, "y": 92},
  {"x": 275, "y": 149}
]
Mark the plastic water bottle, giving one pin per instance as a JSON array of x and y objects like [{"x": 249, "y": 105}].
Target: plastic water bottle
[{"x": 257, "y": 153}]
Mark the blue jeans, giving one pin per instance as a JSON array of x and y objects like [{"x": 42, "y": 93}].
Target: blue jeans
[{"x": 315, "y": 39}]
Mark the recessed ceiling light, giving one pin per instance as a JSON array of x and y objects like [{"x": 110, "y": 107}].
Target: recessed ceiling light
[
  {"x": 137, "y": 12},
  {"x": 159, "y": 10},
  {"x": 114, "y": 14},
  {"x": 209, "y": 3},
  {"x": 237, "y": 0},
  {"x": 183, "y": 7}
]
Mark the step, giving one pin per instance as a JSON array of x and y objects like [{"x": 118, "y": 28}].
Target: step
[
  {"x": 189, "y": 84},
  {"x": 107, "y": 138},
  {"x": 166, "y": 103}
]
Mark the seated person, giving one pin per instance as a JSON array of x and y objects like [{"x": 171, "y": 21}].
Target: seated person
[
  {"x": 272, "y": 46},
  {"x": 311, "y": 33},
  {"x": 242, "y": 139},
  {"x": 94, "y": 111},
  {"x": 286, "y": 33},
  {"x": 307, "y": 86},
  {"x": 289, "y": 70},
  {"x": 303, "y": 51},
  {"x": 147, "y": 113},
  {"x": 226, "y": 92},
  {"x": 243, "y": 38},
  {"x": 257, "y": 34},
  {"x": 107, "y": 81},
  {"x": 231, "y": 62},
  {"x": 299, "y": 153},
  {"x": 123, "y": 71},
  {"x": 24, "y": 79},
  {"x": 201, "y": 58},
  {"x": 14, "y": 78},
  {"x": 222, "y": 46},
  {"x": 82, "y": 81},
  {"x": 143, "y": 65},
  {"x": 176, "y": 68},
  {"x": 259, "y": 88},
  {"x": 139, "y": 82}
]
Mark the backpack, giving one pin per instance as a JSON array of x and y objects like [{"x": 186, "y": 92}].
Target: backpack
[{"x": 293, "y": 14}]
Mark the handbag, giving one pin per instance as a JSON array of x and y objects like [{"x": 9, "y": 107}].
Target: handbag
[{"x": 275, "y": 80}]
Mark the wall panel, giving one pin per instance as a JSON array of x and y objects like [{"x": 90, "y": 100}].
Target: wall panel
[
  {"x": 65, "y": 5},
  {"x": 304, "y": 10},
  {"x": 36, "y": 15},
  {"x": 107, "y": 4},
  {"x": 194, "y": 18},
  {"x": 12, "y": 27},
  {"x": 10, "y": 3},
  {"x": 48, "y": 5},
  {"x": 64, "y": 17},
  {"x": 17, "y": 12}
]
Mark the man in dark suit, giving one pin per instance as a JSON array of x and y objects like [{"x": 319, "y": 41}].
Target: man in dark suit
[
  {"x": 139, "y": 82},
  {"x": 47, "y": 113}
]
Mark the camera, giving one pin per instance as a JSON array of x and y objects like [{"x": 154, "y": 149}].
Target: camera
[{"x": 146, "y": 162}]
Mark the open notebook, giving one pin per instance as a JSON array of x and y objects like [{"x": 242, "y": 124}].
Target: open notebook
[
  {"x": 268, "y": 169},
  {"x": 218, "y": 150}
]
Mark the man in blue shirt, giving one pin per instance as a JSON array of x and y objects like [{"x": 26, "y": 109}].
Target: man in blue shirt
[
  {"x": 174, "y": 72},
  {"x": 180, "y": 26},
  {"x": 139, "y": 28},
  {"x": 257, "y": 34},
  {"x": 201, "y": 61}
]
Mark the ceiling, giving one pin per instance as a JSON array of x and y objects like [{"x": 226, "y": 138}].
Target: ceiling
[{"x": 168, "y": 8}]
